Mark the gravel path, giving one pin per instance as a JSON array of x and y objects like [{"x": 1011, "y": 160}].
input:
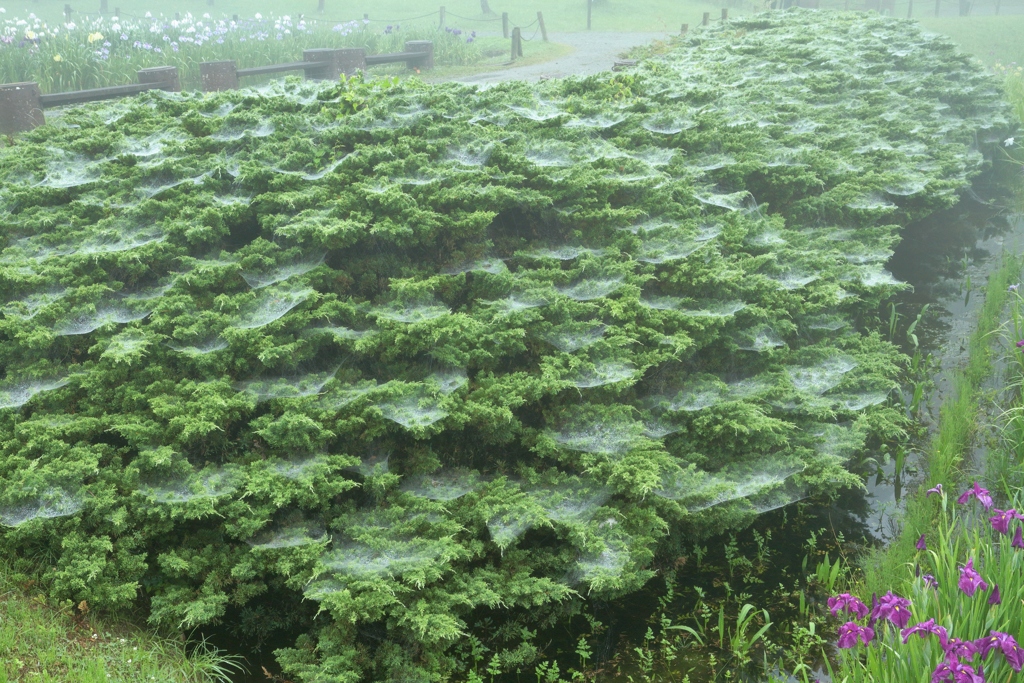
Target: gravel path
[{"x": 592, "y": 53}]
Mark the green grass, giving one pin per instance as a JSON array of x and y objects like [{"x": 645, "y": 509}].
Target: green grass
[
  {"x": 43, "y": 644},
  {"x": 496, "y": 56},
  {"x": 559, "y": 15},
  {"x": 990, "y": 39}
]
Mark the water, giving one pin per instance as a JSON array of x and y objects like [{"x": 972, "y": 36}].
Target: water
[{"x": 936, "y": 258}]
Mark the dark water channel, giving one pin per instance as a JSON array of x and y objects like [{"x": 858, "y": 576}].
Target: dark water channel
[{"x": 938, "y": 257}]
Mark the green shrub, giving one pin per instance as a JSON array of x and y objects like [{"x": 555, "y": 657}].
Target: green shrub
[{"x": 432, "y": 356}]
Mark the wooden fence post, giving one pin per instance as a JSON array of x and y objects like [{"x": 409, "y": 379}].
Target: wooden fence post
[
  {"x": 67, "y": 13},
  {"x": 117, "y": 11},
  {"x": 424, "y": 46},
  {"x": 234, "y": 18},
  {"x": 910, "y": 9},
  {"x": 517, "y": 43},
  {"x": 320, "y": 6},
  {"x": 346, "y": 60},
  {"x": 998, "y": 2},
  {"x": 684, "y": 29},
  {"x": 725, "y": 14},
  {"x": 504, "y": 24},
  {"x": 441, "y": 25},
  {"x": 209, "y": 2},
  {"x": 103, "y": 6},
  {"x": 485, "y": 8},
  {"x": 706, "y": 20},
  {"x": 937, "y": 6},
  {"x": 543, "y": 29},
  {"x": 177, "y": 16},
  {"x": 590, "y": 8},
  {"x": 20, "y": 109},
  {"x": 161, "y": 74},
  {"x": 222, "y": 75}
]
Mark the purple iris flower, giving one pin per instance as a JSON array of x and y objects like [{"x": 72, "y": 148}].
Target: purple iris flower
[
  {"x": 848, "y": 603},
  {"x": 892, "y": 607},
  {"x": 952, "y": 671},
  {"x": 1001, "y": 520},
  {"x": 1018, "y": 540},
  {"x": 925, "y": 629},
  {"x": 995, "y": 598},
  {"x": 921, "y": 545},
  {"x": 976, "y": 492},
  {"x": 851, "y": 631},
  {"x": 970, "y": 580},
  {"x": 1020, "y": 343},
  {"x": 1005, "y": 642},
  {"x": 937, "y": 489},
  {"x": 930, "y": 580},
  {"x": 957, "y": 649}
]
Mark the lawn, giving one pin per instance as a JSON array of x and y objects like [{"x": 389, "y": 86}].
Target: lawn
[
  {"x": 45, "y": 644},
  {"x": 559, "y": 16},
  {"x": 991, "y": 39}
]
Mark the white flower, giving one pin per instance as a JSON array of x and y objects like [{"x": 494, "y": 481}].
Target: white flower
[
  {"x": 115, "y": 27},
  {"x": 149, "y": 15},
  {"x": 1008, "y": 142},
  {"x": 206, "y": 15},
  {"x": 259, "y": 16},
  {"x": 3, "y": 11}
]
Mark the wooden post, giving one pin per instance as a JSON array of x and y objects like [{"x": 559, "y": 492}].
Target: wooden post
[
  {"x": 209, "y": 2},
  {"x": 590, "y": 8},
  {"x": 20, "y": 109},
  {"x": 725, "y": 14},
  {"x": 504, "y": 24},
  {"x": 177, "y": 16},
  {"x": 706, "y": 20},
  {"x": 998, "y": 2},
  {"x": 366, "y": 16},
  {"x": 684, "y": 29},
  {"x": 222, "y": 75},
  {"x": 910, "y": 9},
  {"x": 517, "y": 43},
  {"x": 234, "y": 18},
  {"x": 441, "y": 25},
  {"x": 485, "y": 8},
  {"x": 103, "y": 6},
  {"x": 339, "y": 61},
  {"x": 117, "y": 11},
  {"x": 320, "y": 6},
  {"x": 543, "y": 29},
  {"x": 938, "y": 4},
  {"x": 67, "y": 13},
  {"x": 161, "y": 74},
  {"x": 424, "y": 46}
]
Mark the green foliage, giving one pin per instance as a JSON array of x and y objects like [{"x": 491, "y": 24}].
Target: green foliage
[{"x": 453, "y": 355}]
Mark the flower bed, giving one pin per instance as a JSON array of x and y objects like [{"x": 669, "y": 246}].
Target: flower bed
[{"x": 109, "y": 51}]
